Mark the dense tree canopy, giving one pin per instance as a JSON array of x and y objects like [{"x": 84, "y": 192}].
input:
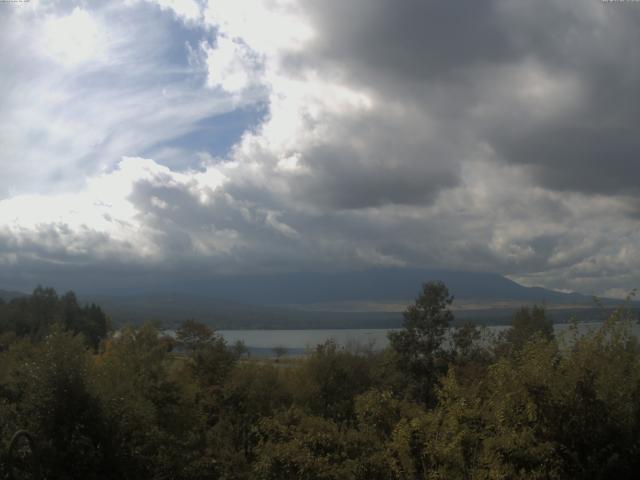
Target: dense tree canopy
[
  {"x": 34, "y": 316},
  {"x": 525, "y": 405},
  {"x": 418, "y": 344}
]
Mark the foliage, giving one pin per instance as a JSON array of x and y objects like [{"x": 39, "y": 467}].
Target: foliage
[
  {"x": 34, "y": 316},
  {"x": 210, "y": 359},
  {"x": 418, "y": 344},
  {"x": 329, "y": 379},
  {"x": 46, "y": 387},
  {"x": 192, "y": 335},
  {"x": 296, "y": 445},
  {"x": 439, "y": 403},
  {"x": 527, "y": 324}
]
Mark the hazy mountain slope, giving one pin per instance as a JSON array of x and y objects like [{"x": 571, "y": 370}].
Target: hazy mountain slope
[
  {"x": 309, "y": 301},
  {"x": 378, "y": 285},
  {"x": 7, "y": 295},
  {"x": 171, "y": 309},
  {"x": 372, "y": 298}
]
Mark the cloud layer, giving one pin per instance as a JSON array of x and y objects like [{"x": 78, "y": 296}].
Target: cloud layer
[{"x": 495, "y": 136}]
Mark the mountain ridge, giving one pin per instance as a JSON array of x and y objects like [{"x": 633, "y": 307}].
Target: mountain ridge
[
  {"x": 8, "y": 295},
  {"x": 364, "y": 299},
  {"x": 376, "y": 284}
]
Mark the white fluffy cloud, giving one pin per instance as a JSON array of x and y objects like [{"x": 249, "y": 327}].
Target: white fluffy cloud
[
  {"x": 393, "y": 135},
  {"x": 231, "y": 65},
  {"x": 190, "y": 10},
  {"x": 73, "y": 38}
]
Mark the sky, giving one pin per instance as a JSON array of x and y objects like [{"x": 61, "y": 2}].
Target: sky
[{"x": 179, "y": 139}]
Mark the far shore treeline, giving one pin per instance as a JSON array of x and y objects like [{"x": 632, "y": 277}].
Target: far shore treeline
[{"x": 523, "y": 404}]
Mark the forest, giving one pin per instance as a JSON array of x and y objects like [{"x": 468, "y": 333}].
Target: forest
[{"x": 440, "y": 402}]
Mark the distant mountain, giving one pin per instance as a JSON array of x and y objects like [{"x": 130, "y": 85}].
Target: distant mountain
[
  {"x": 172, "y": 308},
  {"x": 365, "y": 299},
  {"x": 7, "y": 295},
  {"x": 377, "y": 285},
  {"x": 327, "y": 300}
]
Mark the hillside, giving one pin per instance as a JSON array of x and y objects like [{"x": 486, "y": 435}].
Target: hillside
[
  {"x": 365, "y": 299},
  {"x": 7, "y": 295},
  {"x": 379, "y": 285}
]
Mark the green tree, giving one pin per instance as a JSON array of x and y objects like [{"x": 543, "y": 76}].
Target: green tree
[
  {"x": 89, "y": 320},
  {"x": 297, "y": 446},
  {"x": 152, "y": 414},
  {"x": 528, "y": 323},
  {"x": 192, "y": 335},
  {"x": 210, "y": 358},
  {"x": 546, "y": 411},
  {"x": 418, "y": 345},
  {"x": 95, "y": 325},
  {"x": 465, "y": 340},
  {"x": 251, "y": 393},
  {"x": 280, "y": 352},
  {"x": 328, "y": 380},
  {"x": 35, "y": 315},
  {"x": 50, "y": 384}
]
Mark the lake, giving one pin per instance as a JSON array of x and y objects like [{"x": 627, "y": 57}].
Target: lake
[
  {"x": 262, "y": 342},
  {"x": 297, "y": 342}
]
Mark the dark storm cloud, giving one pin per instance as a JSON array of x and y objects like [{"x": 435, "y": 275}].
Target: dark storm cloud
[
  {"x": 592, "y": 147},
  {"x": 377, "y": 159},
  {"x": 411, "y": 40},
  {"x": 446, "y": 57},
  {"x": 221, "y": 234},
  {"x": 342, "y": 180},
  {"x": 580, "y": 156}
]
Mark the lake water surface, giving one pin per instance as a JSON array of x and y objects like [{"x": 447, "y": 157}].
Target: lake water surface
[{"x": 297, "y": 342}]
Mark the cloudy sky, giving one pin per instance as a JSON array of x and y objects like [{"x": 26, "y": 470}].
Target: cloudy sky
[{"x": 182, "y": 138}]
